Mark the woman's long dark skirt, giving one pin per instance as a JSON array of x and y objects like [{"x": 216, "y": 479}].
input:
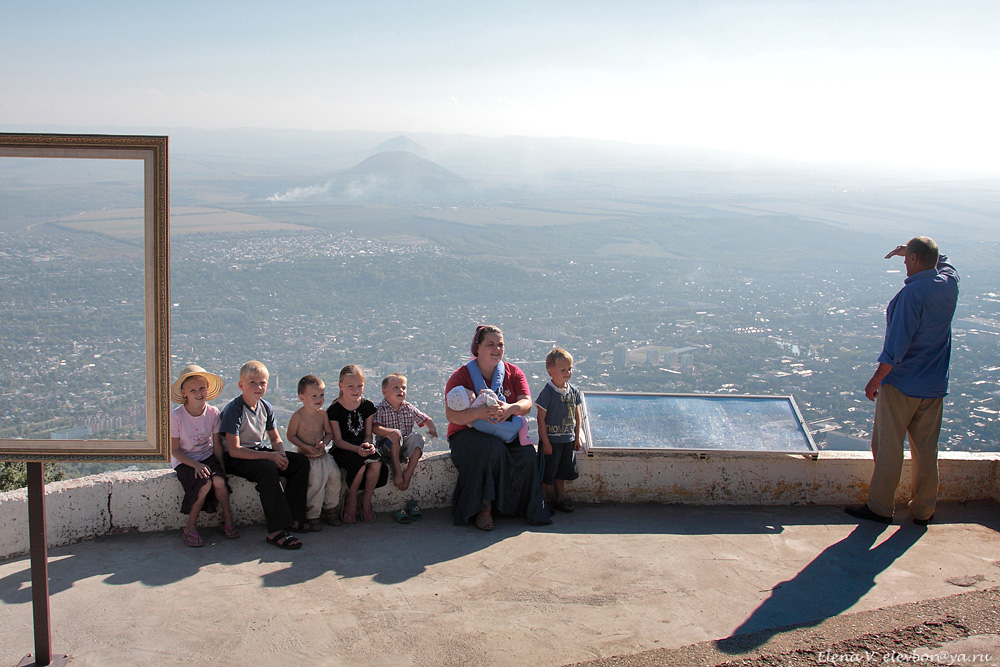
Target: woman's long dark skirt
[{"x": 491, "y": 471}]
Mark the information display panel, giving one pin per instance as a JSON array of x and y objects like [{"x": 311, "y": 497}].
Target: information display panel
[{"x": 694, "y": 423}]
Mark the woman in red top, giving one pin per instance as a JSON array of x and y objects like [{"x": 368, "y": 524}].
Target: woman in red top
[{"x": 492, "y": 473}]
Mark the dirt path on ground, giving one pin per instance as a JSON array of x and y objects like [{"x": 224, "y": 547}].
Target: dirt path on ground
[{"x": 962, "y": 629}]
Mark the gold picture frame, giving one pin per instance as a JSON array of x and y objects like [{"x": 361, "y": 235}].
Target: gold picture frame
[{"x": 152, "y": 151}]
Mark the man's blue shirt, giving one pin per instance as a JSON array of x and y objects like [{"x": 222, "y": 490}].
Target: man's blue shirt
[{"x": 918, "y": 332}]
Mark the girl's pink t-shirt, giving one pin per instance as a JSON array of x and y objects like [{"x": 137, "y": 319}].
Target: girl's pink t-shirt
[{"x": 195, "y": 433}]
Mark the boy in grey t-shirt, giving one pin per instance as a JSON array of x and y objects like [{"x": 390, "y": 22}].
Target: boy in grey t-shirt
[
  {"x": 245, "y": 422},
  {"x": 559, "y": 426}
]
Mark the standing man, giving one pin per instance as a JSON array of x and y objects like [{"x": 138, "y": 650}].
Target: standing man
[{"x": 911, "y": 382}]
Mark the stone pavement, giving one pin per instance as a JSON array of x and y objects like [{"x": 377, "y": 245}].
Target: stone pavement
[{"x": 646, "y": 582}]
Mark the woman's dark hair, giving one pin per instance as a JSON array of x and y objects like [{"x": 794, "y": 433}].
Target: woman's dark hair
[{"x": 477, "y": 337}]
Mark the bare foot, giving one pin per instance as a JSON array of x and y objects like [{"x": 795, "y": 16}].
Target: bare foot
[
  {"x": 407, "y": 476},
  {"x": 399, "y": 481},
  {"x": 350, "y": 508}
]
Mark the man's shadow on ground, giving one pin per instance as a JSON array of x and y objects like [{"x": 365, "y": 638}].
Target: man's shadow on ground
[{"x": 829, "y": 585}]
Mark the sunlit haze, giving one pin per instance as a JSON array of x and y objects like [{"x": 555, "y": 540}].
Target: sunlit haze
[{"x": 898, "y": 83}]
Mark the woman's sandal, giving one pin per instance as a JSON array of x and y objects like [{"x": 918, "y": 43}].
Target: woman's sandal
[
  {"x": 301, "y": 527},
  {"x": 401, "y": 516},
  {"x": 229, "y": 530},
  {"x": 367, "y": 517},
  {"x": 413, "y": 510},
  {"x": 285, "y": 540},
  {"x": 193, "y": 539},
  {"x": 348, "y": 517},
  {"x": 484, "y": 521}
]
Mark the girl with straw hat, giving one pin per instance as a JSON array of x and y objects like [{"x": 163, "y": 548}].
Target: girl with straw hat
[{"x": 196, "y": 450}]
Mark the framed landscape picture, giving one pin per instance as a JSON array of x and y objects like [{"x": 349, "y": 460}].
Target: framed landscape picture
[{"x": 84, "y": 297}]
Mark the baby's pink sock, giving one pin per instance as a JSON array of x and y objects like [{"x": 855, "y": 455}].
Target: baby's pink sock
[{"x": 522, "y": 434}]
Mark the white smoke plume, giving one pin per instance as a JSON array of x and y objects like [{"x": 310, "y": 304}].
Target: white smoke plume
[{"x": 303, "y": 193}]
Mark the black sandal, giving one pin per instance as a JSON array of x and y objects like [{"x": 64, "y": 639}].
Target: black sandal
[
  {"x": 563, "y": 506},
  {"x": 301, "y": 527},
  {"x": 285, "y": 540}
]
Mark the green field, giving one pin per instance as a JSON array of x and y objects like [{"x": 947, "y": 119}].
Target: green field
[{"x": 128, "y": 223}]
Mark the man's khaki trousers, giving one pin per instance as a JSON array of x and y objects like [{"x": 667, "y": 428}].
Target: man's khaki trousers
[{"x": 898, "y": 415}]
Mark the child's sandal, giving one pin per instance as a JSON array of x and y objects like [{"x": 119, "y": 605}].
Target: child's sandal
[
  {"x": 413, "y": 510},
  {"x": 284, "y": 540},
  {"x": 229, "y": 530},
  {"x": 400, "y": 516},
  {"x": 563, "y": 506},
  {"x": 301, "y": 527}
]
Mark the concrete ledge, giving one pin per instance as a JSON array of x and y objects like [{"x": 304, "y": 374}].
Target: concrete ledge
[
  {"x": 747, "y": 479},
  {"x": 150, "y": 501}
]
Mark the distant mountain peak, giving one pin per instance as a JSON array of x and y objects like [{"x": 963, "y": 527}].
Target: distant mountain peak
[
  {"x": 401, "y": 143},
  {"x": 400, "y": 163},
  {"x": 402, "y": 176}
]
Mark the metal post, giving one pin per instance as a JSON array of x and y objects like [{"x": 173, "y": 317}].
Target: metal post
[{"x": 39, "y": 571}]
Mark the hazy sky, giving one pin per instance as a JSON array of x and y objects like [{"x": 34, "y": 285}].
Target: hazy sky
[{"x": 907, "y": 82}]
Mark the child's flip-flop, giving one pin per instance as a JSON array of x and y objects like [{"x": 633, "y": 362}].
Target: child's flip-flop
[
  {"x": 367, "y": 517},
  {"x": 230, "y": 531},
  {"x": 413, "y": 509},
  {"x": 193, "y": 539},
  {"x": 400, "y": 516}
]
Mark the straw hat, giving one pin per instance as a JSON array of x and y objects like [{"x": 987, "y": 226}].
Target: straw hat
[{"x": 214, "y": 383}]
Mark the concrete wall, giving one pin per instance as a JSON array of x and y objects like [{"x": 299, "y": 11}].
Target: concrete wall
[
  {"x": 836, "y": 478},
  {"x": 996, "y": 481},
  {"x": 150, "y": 501}
]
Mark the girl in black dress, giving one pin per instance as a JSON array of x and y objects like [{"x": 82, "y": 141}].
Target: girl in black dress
[{"x": 351, "y": 422}]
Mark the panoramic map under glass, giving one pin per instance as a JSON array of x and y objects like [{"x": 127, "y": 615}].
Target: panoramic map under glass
[{"x": 616, "y": 421}]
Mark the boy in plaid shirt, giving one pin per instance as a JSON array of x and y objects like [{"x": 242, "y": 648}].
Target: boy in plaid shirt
[{"x": 393, "y": 424}]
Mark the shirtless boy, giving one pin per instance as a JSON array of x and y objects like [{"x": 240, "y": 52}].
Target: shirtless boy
[{"x": 309, "y": 430}]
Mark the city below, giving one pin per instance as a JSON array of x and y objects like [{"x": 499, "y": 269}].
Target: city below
[{"x": 312, "y": 302}]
